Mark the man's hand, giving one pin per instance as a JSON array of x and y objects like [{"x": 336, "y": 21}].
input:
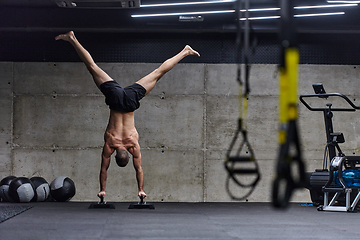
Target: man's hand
[
  {"x": 101, "y": 193},
  {"x": 142, "y": 193}
]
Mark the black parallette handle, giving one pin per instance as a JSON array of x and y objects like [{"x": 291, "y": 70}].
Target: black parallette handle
[{"x": 240, "y": 159}]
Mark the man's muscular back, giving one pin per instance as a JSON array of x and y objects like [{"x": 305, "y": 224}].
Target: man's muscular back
[{"x": 121, "y": 131}]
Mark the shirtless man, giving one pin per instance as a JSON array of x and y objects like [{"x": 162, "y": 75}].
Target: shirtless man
[{"x": 121, "y": 135}]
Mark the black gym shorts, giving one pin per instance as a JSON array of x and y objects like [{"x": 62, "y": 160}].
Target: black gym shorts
[{"x": 122, "y": 99}]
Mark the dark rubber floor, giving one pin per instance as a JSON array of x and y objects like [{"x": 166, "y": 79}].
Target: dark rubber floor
[{"x": 73, "y": 220}]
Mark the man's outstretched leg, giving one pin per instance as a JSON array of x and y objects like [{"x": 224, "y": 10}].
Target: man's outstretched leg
[
  {"x": 149, "y": 81},
  {"x": 98, "y": 74}
]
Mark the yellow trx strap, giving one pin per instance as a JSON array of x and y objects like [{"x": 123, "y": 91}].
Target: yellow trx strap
[
  {"x": 288, "y": 91},
  {"x": 290, "y": 152}
]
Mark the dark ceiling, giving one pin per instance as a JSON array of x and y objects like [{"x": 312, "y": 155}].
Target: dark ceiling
[
  {"x": 28, "y": 27},
  {"x": 45, "y": 16}
]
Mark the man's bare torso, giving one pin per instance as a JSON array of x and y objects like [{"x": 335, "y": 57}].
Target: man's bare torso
[{"x": 121, "y": 131}]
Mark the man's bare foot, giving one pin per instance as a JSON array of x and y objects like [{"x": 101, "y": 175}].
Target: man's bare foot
[
  {"x": 66, "y": 37},
  {"x": 191, "y": 51}
]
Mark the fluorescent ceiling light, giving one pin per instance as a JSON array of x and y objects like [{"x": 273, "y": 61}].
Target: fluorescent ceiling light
[
  {"x": 329, "y": 1},
  {"x": 260, "y": 9},
  {"x": 185, "y": 3},
  {"x": 242, "y": 19},
  {"x": 349, "y": 4},
  {"x": 260, "y": 18},
  {"x": 298, "y": 15},
  {"x": 302, "y": 7},
  {"x": 327, "y": 6},
  {"x": 203, "y": 12},
  {"x": 243, "y": 10},
  {"x": 183, "y": 13},
  {"x": 319, "y": 14}
]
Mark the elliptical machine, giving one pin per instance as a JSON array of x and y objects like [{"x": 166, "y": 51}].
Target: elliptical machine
[{"x": 328, "y": 184}]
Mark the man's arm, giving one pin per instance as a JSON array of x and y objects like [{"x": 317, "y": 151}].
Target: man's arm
[
  {"x": 105, "y": 163},
  {"x": 135, "y": 151}
]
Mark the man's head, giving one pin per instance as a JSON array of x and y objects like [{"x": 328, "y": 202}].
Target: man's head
[{"x": 122, "y": 157}]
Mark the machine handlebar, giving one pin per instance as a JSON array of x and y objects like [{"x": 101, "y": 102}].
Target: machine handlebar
[{"x": 326, "y": 95}]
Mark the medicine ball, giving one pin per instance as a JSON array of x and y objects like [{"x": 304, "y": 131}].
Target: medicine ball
[
  {"x": 62, "y": 189},
  {"x": 42, "y": 189},
  {"x": 4, "y": 188},
  {"x": 21, "y": 189}
]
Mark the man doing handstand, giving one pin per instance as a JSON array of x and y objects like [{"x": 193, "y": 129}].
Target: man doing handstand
[{"x": 121, "y": 135}]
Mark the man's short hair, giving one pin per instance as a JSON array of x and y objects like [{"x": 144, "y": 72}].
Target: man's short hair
[{"x": 122, "y": 157}]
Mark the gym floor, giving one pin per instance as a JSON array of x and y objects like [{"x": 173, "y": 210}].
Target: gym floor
[{"x": 73, "y": 220}]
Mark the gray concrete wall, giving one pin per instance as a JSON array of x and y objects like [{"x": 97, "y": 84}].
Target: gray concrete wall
[
  {"x": 6, "y": 105},
  {"x": 53, "y": 118}
]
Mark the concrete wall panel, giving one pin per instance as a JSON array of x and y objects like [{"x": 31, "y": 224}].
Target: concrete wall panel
[
  {"x": 173, "y": 175},
  {"x": 59, "y": 121},
  {"x": 53, "y": 78},
  {"x": 221, "y": 121},
  {"x": 175, "y": 122},
  {"x": 6, "y": 85},
  {"x": 221, "y": 79},
  {"x": 336, "y": 78}
]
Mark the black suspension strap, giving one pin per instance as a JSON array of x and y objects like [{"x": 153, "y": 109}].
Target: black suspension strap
[
  {"x": 237, "y": 164},
  {"x": 290, "y": 152}
]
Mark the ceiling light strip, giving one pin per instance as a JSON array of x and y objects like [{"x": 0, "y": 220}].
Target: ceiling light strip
[
  {"x": 183, "y": 13},
  {"x": 243, "y": 10},
  {"x": 346, "y": 4},
  {"x": 185, "y": 3},
  {"x": 260, "y": 18},
  {"x": 329, "y": 1},
  {"x": 301, "y": 7},
  {"x": 260, "y": 9},
  {"x": 297, "y": 15},
  {"x": 326, "y": 6},
  {"x": 319, "y": 14},
  {"x": 251, "y": 18}
]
